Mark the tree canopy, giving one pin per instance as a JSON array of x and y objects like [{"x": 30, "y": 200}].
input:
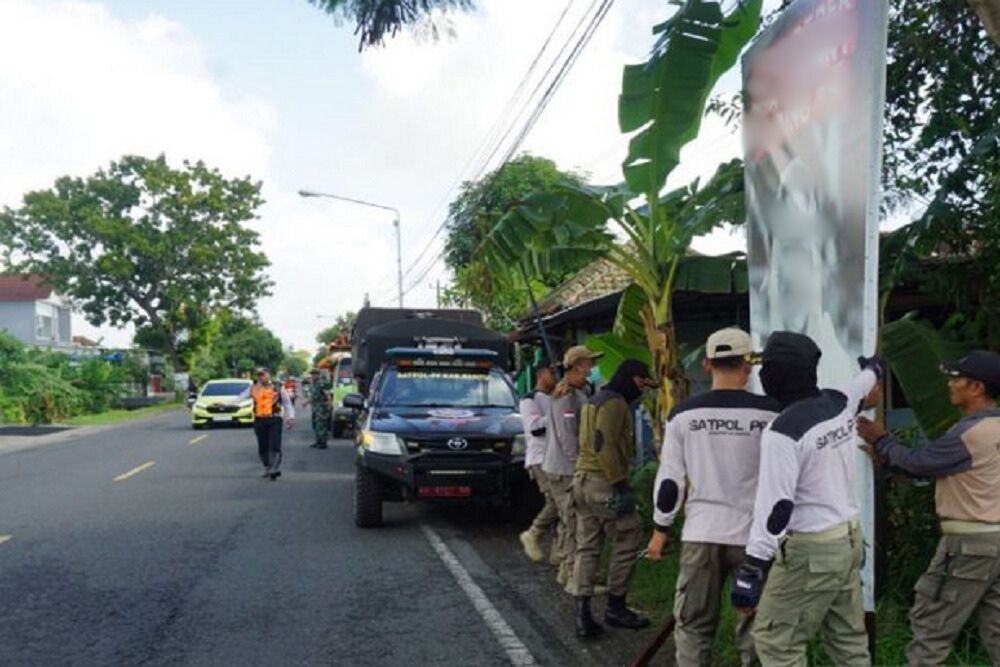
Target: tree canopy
[
  {"x": 377, "y": 19},
  {"x": 142, "y": 242}
]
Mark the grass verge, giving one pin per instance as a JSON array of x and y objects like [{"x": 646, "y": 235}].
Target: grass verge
[{"x": 119, "y": 416}]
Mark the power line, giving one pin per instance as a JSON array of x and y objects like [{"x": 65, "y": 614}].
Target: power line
[
  {"x": 603, "y": 6},
  {"x": 491, "y": 136}
]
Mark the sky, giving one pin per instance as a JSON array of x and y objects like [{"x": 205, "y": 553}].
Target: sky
[{"x": 278, "y": 91}]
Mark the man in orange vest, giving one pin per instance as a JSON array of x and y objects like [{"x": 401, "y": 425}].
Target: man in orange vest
[{"x": 272, "y": 409}]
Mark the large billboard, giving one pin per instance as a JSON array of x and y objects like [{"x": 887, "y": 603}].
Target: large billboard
[{"x": 814, "y": 89}]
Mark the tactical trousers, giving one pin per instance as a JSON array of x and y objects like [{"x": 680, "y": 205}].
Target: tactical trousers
[
  {"x": 698, "y": 603},
  {"x": 963, "y": 580},
  {"x": 321, "y": 416},
  {"x": 268, "y": 432},
  {"x": 561, "y": 488},
  {"x": 548, "y": 516},
  {"x": 814, "y": 585},
  {"x": 595, "y": 522}
]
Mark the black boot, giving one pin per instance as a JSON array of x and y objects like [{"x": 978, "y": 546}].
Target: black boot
[
  {"x": 620, "y": 616},
  {"x": 586, "y": 626}
]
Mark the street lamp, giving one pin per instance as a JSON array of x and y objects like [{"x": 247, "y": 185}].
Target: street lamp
[{"x": 395, "y": 223}]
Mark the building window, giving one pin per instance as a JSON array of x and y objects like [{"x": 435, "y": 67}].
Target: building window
[{"x": 43, "y": 327}]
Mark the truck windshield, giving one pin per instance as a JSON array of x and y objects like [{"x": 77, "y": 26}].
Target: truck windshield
[{"x": 445, "y": 389}]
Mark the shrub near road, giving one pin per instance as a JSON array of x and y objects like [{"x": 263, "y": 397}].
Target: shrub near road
[{"x": 39, "y": 387}]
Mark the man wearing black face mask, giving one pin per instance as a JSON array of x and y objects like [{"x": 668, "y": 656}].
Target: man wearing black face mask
[
  {"x": 605, "y": 503},
  {"x": 805, "y": 538}
]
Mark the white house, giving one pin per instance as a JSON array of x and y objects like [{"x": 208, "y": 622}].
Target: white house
[{"x": 33, "y": 313}]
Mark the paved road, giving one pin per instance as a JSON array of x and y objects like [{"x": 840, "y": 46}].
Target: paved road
[{"x": 152, "y": 544}]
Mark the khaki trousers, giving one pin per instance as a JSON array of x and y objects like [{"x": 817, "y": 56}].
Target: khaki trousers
[
  {"x": 561, "y": 488},
  {"x": 595, "y": 522},
  {"x": 548, "y": 516},
  {"x": 963, "y": 580},
  {"x": 814, "y": 585},
  {"x": 698, "y": 603}
]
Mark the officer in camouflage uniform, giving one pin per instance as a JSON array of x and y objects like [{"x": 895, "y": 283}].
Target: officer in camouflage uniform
[{"x": 322, "y": 408}]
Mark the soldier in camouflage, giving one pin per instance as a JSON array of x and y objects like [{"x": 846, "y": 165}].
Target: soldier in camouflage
[{"x": 322, "y": 408}]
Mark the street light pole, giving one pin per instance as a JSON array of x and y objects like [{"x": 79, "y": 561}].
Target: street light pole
[{"x": 395, "y": 224}]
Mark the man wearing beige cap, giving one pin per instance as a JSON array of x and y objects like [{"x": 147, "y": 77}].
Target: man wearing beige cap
[
  {"x": 709, "y": 464},
  {"x": 561, "y": 449}
]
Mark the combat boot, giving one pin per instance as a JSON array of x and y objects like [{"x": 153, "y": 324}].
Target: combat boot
[
  {"x": 529, "y": 540},
  {"x": 620, "y": 616},
  {"x": 586, "y": 626}
]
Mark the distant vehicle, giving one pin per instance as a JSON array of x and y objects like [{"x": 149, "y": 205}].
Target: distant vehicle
[
  {"x": 217, "y": 404},
  {"x": 344, "y": 384},
  {"x": 440, "y": 420}
]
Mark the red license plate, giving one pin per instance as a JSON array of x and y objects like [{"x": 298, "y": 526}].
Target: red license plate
[{"x": 444, "y": 492}]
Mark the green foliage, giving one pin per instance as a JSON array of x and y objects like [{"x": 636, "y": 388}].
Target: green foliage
[
  {"x": 141, "y": 242},
  {"x": 295, "y": 364},
  {"x": 615, "y": 350},
  {"x": 377, "y": 19},
  {"x": 244, "y": 345},
  {"x": 915, "y": 352},
  {"x": 942, "y": 156},
  {"x": 500, "y": 291},
  {"x": 342, "y": 325}
]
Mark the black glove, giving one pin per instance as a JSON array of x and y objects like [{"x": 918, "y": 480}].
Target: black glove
[
  {"x": 749, "y": 583},
  {"x": 874, "y": 363},
  {"x": 623, "y": 501}
]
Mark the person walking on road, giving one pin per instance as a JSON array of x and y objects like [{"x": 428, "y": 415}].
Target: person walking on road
[
  {"x": 964, "y": 575},
  {"x": 604, "y": 500},
  {"x": 561, "y": 448},
  {"x": 272, "y": 410},
  {"x": 805, "y": 540},
  {"x": 708, "y": 464},
  {"x": 534, "y": 410},
  {"x": 321, "y": 402}
]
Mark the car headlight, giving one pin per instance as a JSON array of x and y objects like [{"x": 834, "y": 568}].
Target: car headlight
[
  {"x": 200, "y": 406},
  {"x": 247, "y": 403},
  {"x": 520, "y": 445},
  {"x": 383, "y": 443}
]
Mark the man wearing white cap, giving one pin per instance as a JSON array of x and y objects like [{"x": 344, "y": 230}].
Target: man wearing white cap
[
  {"x": 709, "y": 464},
  {"x": 562, "y": 446}
]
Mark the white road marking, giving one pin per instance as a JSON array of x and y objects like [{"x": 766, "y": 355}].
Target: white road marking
[
  {"x": 516, "y": 651},
  {"x": 195, "y": 441},
  {"x": 135, "y": 471},
  {"x": 5, "y": 538}
]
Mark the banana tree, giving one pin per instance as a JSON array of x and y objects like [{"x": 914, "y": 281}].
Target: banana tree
[{"x": 661, "y": 106}]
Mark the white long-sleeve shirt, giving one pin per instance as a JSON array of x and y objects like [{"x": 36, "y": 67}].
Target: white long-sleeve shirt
[
  {"x": 807, "y": 467},
  {"x": 709, "y": 463},
  {"x": 534, "y": 410}
]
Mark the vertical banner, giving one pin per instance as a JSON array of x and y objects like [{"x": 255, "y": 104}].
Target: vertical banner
[{"x": 814, "y": 89}]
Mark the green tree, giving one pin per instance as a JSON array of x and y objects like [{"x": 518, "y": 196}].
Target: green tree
[
  {"x": 661, "y": 106},
  {"x": 296, "y": 362},
  {"x": 244, "y": 344},
  {"x": 377, "y": 19},
  {"x": 501, "y": 295},
  {"x": 141, "y": 242},
  {"x": 942, "y": 156},
  {"x": 341, "y": 326}
]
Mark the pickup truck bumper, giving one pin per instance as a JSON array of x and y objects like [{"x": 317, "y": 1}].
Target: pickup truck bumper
[{"x": 452, "y": 475}]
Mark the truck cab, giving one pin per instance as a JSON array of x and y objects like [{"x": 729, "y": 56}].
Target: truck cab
[{"x": 439, "y": 423}]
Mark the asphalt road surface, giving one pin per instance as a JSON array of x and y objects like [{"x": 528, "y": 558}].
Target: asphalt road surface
[{"x": 153, "y": 544}]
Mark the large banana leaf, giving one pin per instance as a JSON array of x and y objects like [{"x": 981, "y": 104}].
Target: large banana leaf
[
  {"x": 915, "y": 352},
  {"x": 722, "y": 274},
  {"x": 629, "y": 326},
  {"x": 664, "y": 98},
  {"x": 616, "y": 350}
]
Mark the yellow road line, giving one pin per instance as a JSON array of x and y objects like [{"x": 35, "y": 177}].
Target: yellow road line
[
  {"x": 135, "y": 471},
  {"x": 4, "y": 538},
  {"x": 195, "y": 441}
]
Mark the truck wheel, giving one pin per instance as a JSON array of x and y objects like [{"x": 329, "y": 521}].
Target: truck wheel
[
  {"x": 338, "y": 429},
  {"x": 367, "y": 499}
]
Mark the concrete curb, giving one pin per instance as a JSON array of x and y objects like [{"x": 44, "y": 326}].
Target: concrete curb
[{"x": 19, "y": 443}]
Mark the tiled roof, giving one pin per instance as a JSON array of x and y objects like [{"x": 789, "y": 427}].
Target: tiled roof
[
  {"x": 597, "y": 279},
  {"x": 23, "y": 288}
]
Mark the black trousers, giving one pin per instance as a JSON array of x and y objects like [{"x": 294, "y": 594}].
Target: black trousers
[{"x": 268, "y": 431}]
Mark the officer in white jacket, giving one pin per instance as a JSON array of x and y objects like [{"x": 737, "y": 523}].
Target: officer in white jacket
[
  {"x": 708, "y": 465},
  {"x": 534, "y": 410},
  {"x": 805, "y": 540}
]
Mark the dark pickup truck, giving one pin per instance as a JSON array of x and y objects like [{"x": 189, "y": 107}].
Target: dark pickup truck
[{"x": 440, "y": 420}]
